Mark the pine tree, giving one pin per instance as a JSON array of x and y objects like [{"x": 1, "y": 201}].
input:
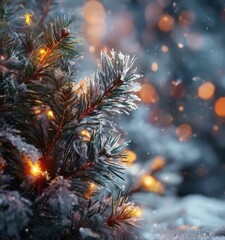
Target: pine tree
[{"x": 61, "y": 161}]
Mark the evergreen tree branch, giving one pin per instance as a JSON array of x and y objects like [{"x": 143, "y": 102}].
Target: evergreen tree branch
[
  {"x": 54, "y": 43},
  {"x": 47, "y": 159},
  {"x": 111, "y": 91}
]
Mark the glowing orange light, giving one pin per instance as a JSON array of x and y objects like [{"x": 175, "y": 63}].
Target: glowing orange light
[
  {"x": 36, "y": 110},
  {"x": 219, "y": 107},
  {"x": 206, "y": 91},
  {"x": 166, "y": 23},
  {"x": 157, "y": 163},
  {"x": 152, "y": 185},
  {"x": 184, "y": 132},
  {"x": 91, "y": 188},
  {"x": 154, "y": 67},
  {"x": 148, "y": 93},
  {"x": 28, "y": 19},
  {"x": 131, "y": 157},
  {"x": 35, "y": 170},
  {"x": 86, "y": 135}
]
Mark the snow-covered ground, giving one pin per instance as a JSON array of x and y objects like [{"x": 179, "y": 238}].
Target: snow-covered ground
[{"x": 189, "y": 218}]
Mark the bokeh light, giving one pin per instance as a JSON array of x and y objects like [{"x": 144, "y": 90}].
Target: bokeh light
[
  {"x": 86, "y": 135},
  {"x": 220, "y": 107},
  {"x": 50, "y": 114},
  {"x": 93, "y": 12},
  {"x": 149, "y": 183},
  {"x": 28, "y": 19},
  {"x": 154, "y": 67},
  {"x": 206, "y": 90},
  {"x": 130, "y": 157},
  {"x": 148, "y": 93},
  {"x": 166, "y": 23},
  {"x": 184, "y": 132}
]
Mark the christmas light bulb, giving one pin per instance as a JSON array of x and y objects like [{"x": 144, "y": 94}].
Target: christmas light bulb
[
  {"x": 50, "y": 114},
  {"x": 92, "y": 188},
  {"x": 42, "y": 51},
  {"x": 86, "y": 135},
  {"x": 35, "y": 170},
  {"x": 28, "y": 19}
]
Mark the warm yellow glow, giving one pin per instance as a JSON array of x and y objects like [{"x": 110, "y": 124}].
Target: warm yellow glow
[
  {"x": 137, "y": 212},
  {"x": 50, "y": 114},
  {"x": 131, "y": 157},
  {"x": 35, "y": 170},
  {"x": 184, "y": 132},
  {"x": 38, "y": 101},
  {"x": 37, "y": 111},
  {"x": 28, "y": 19},
  {"x": 86, "y": 135},
  {"x": 42, "y": 51},
  {"x": 219, "y": 107},
  {"x": 91, "y": 188},
  {"x": 151, "y": 184},
  {"x": 154, "y": 67},
  {"x": 206, "y": 91}
]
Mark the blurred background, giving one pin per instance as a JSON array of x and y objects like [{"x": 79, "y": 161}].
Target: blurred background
[
  {"x": 177, "y": 153},
  {"x": 180, "y": 51}
]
